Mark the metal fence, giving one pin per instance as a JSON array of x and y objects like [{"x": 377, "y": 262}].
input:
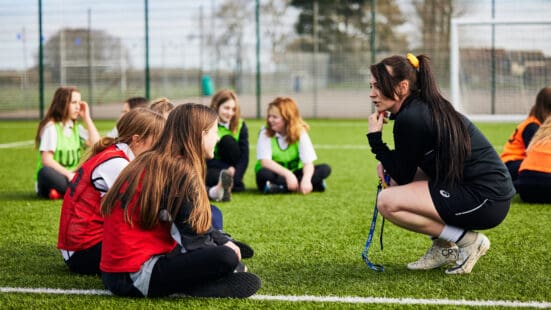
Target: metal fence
[{"x": 185, "y": 50}]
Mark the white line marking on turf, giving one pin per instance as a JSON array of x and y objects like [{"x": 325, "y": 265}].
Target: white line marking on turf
[
  {"x": 16, "y": 144},
  {"x": 59, "y": 291},
  {"x": 407, "y": 301},
  {"x": 306, "y": 298}
]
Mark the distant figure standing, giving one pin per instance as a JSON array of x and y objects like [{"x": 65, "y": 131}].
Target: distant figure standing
[
  {"x": 514, "y": 150},
  {"x": 61, "y": 141}
]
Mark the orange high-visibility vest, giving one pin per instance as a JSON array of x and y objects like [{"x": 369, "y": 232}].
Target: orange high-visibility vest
[
  {"x": 514, "y": 148},
  {"x": 538, "y": 157}
]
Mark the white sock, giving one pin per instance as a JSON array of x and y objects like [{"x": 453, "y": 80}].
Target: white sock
[
  {"x": 216, "y": 192},
  {"x": 451, "y": 233}
]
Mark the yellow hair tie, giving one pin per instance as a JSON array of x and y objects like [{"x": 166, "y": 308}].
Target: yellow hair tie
[{"x": 413, "y": 60}]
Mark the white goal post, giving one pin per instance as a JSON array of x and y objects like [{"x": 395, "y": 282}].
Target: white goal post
[{"x": 498, "y": 66}]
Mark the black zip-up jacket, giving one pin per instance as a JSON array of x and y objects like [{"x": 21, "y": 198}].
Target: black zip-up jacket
[{"x": 415, "y": 146}]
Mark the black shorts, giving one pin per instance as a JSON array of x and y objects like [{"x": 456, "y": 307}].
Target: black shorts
[{"x": 466, "y": 208}]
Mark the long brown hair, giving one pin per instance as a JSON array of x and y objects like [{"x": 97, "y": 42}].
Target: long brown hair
[
  {"x": 170, "y": 173},
  {"x": 138, "y": 121},
  {"x": 220, "y": 98},
  {"x": 542, "y": 108},
  {"x": 452, "y": 136},
  {"x": 291, "y": 115},
  {"x": 58, "y": 110}
]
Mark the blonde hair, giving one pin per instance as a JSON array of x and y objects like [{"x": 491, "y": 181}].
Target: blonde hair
[
  {"x": 138, "y": 121},
  {"x": 542, "y": 135},
  {"x": 161, "y": 105},
  {"x": 170, "y": 174},
  {"x": 291, "y": 115},
  {"x": 220, "y": 98}
]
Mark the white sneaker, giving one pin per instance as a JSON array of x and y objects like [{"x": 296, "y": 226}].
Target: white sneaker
[
  {"x": 439, "y": 254},
  {"x": 469, "y": 255}
]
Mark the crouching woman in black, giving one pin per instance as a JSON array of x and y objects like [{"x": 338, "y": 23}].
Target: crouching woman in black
[{"x": 447, "y": 178}]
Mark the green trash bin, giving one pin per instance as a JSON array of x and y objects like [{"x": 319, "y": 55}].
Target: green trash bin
[{"x": 206, "y": 85}]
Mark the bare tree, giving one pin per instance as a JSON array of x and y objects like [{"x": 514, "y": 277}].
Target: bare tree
[
  {"x": 435, "y": 21},
  {"x": 344, "y": 32},
  {"x": 67, "y": 53},
  {"x": 234, "y": 18},
  {"x": 278, "y": 34}
]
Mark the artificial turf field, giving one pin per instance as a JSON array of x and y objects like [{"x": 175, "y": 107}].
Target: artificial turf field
[{"x": 307, "y": 248}]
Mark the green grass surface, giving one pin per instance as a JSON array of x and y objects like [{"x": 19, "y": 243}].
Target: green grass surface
[{"x": 305, "y": 245}]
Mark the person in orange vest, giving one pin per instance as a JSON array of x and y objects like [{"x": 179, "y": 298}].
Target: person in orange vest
[
  {"x": 534, "y": 177},
  {"x": 514, "y": 150}
]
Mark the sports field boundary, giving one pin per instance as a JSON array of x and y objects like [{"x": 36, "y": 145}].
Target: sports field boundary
[{"x": 321, "y": 299}]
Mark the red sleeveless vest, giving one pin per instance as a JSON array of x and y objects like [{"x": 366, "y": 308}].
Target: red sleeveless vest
[
  {"x": 81, "y": 223},
  {"x": 126, "y": 246}
]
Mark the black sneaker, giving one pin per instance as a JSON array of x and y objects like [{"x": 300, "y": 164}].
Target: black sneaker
[
  {"x": 227, "y": 182},
  {"x": 246, "y": 250},
  {"x": 234, "y": 285}
]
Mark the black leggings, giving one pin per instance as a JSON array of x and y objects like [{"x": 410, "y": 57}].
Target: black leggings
[
  {"x": 321, "y": 172},
  {"x": 86, "y": 261},
  {"x": 230, "y": 154},
  {"x": 513, "y": 166},
  {"x": 534, "y": 186},
  {"x": 228, "y": 150},
  {"x": 49, "y": 179},
  {"x": 177, "y": 272}
]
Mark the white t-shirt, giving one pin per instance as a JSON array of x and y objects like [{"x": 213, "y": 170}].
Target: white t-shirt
[
  {"x": 105, "y": 174},
  {"x": 306, "y": 151},
  {"x": 48, "y": 137}
]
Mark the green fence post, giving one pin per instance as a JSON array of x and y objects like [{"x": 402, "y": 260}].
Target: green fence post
[
  {"x": 40, "y": 63},
  {"x": 372, "y": 39},
  {"x": 258, "y": 85},
  {"x": 147, "y": 85}
]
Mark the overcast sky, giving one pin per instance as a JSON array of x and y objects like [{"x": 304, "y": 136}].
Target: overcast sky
[{"x": 19, "y": 26}]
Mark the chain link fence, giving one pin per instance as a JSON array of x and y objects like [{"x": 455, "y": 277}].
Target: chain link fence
[{"x": 317, "y": 52}]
